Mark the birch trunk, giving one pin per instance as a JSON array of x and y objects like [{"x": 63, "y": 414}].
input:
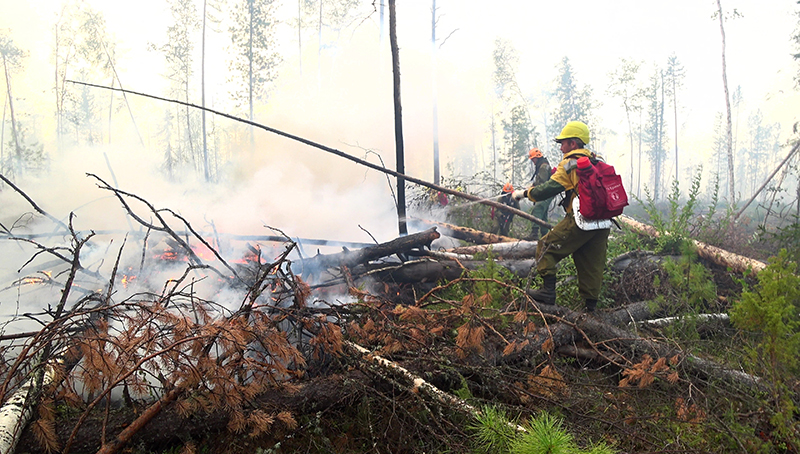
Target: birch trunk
[
  {"x": 714, "y": 254},
  {"x": 18, "y": 409}
]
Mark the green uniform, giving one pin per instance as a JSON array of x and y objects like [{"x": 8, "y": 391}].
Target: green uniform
[
  {"x": 588, "y": 248},
  {"x": 502, "y": 219},
  {"x": 541, "y": 174}
]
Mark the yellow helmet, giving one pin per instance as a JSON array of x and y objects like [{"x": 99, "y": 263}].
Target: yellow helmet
[
  {"x": 574, "y": 130},
  {"x": 535, "y": 153}
]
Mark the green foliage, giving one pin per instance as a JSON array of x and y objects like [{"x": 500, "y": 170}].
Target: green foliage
[
  {"x": 518, "y": 135},
  {"x": 463, "y": 392},
  {"x": 545, "y": 434},
  {"x": 788, "y": 237},
  {"x": 674, "y": 227},
  {"x": 493, "y": 431},
  {"x": 693, "y": 282},
  {"x": 489, "y": 274},
  {"x": 255, "y": 55},
  {"x": 771, "y": 311}
]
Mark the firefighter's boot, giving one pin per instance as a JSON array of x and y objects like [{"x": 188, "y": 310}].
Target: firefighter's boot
[
  {"x": 591, "y": 305},
  {"x": 547, "y": 293}
]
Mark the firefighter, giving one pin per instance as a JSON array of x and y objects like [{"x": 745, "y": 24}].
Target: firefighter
[
  {"x": 541, "y": 173},
  {"x": 587, "y": 247},
  {"x": 501, "y": 218}
]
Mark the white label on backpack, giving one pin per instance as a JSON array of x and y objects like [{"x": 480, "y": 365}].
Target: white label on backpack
[{"x": 588, "y": 224}]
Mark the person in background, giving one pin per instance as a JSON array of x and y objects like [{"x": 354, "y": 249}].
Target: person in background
[
  {"x": 587, "y": 247},
  {"x": 541, "y": 173},
  {"x": 502, "y": 219}
]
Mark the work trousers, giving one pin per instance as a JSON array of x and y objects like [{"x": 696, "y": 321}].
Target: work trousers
[
  {"x": 588, "y": 250},
  {"x": 539, "y": 211}
]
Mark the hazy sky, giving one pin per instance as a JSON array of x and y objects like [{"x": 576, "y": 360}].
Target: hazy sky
[{"x": 593, "y": 34}]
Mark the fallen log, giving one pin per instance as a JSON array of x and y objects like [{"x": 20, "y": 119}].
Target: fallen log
[
  {"x": 315, "y": 265},
  {"x": 417, "y": 384},
  {"x": 571, "y": 326},
  {"x": 426, "y": 270},
  {"x": 18, "y": 409},
  {"x": 507, "y": 250},
  {"x": 714, "y": 254},
  {"x": 466, "y": 233}
]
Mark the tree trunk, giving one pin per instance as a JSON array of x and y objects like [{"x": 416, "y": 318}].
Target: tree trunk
[
  {"x": 517, "y": 249},
  {"x": 300, "y": 35},
  {"x": 203, "y": 94},
  {"x": 18, "y": 409},
  {"x": 398, "y": 121},
  {"x": 435, "y": 101},
  {"x": 402, "y": 245},
  {"x": 675, "y": 111},
  {"x": 14, "y": 132},
  {"x": 729, "y": 127},
  {"x": 468, "y": 234},
  {"x": 737, "y": 263},
  {"x": 250, "y": 73},
  {"x": 766, "y": 182}
]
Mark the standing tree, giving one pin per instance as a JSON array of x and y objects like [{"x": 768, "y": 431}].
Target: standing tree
[
  {"x": 518, "y": 130},
  {"x": 207, "y": 16},
  {"x": 719, "y": 148},
  {"x": 762, "y": 147},
  {"x": 333, "y": 15},
  {"x": 83, "y": 51},
  {"x": 179, "y": 53},
  {"x": 256, "y": 58},
  {"x": 435, "y": 101},
  {"x": 624, "y": 86},
  {"x": 518, "y": 134},
  {"x": 673, "y": 80},
  {"x": 573, "y": 102},
  {"x": 729, "y": 134},
  {"x": 655, "y": 130},
  {"x": 23, "y": 156},
  {"x": 398, "y": 121}
]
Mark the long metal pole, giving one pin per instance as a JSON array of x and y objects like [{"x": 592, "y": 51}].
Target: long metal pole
[{"x": 463, "y": 195}]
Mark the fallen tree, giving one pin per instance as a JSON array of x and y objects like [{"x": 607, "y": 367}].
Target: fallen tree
[{"x": 714, "y": 254}]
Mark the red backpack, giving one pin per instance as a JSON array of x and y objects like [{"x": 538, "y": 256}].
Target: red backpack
[{"x": 600, "y": 190}]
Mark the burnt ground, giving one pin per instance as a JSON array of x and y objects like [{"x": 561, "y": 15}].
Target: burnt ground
[{"x": 342, "y": 406}]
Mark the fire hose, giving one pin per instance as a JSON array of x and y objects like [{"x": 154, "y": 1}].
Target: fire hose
[{"x": 336, "y": 152}]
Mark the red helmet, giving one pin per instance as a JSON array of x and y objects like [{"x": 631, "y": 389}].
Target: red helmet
[{"x": 508, "y": 187}]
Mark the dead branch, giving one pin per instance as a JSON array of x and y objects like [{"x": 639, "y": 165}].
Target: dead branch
[
  {"x": 32, "y": 203},
  {"x": 417, "y": 384},
  {"x": 163, "y": 225}
]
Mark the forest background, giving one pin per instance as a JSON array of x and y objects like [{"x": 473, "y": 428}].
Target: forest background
[{"x": 478, "y": 91}]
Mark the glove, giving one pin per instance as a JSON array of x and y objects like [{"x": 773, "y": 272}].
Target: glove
[{"x": 518, "y": 194}]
